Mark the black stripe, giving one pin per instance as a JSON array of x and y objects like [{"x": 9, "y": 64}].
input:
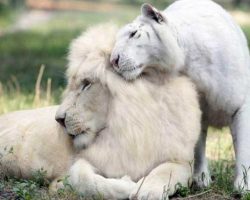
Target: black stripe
[
  {"x": 155, "y": 32},
  {"x": 235, "y": 112}
]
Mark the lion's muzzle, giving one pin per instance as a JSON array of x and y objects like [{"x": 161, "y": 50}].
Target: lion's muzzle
[{"x": 60, "y": 118}]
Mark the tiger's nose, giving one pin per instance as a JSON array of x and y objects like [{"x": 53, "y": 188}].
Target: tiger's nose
[
  {"x": 60, "y": 118},
  {"x": 115, "y": 61}
]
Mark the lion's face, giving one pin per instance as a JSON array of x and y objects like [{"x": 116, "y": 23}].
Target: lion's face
[
  {"x": 83, "y": 111},
  {"x": 146, "y": 42}
]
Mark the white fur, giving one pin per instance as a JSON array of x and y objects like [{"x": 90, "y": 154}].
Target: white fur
[
  {"x": 216, "y": 57},
  {"x": 37, "y": 142},
  {"x": 151, "y": 127}
]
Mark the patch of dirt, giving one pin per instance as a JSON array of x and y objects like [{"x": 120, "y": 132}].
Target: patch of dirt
[
  {"x": 206, "y": 196},
  {"x": 7, "y": 194}
]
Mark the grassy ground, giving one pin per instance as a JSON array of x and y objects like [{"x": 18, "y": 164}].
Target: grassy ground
[{"x": 21, "y": 56}]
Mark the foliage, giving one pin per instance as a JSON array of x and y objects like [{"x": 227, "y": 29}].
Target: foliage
[
  {"x": 40, "y": 179},
  {"x": 223, "y": 174},
  {"x": 25, "y": 189},
  {"x": 246, "y": 196},
  {"x": 182, "y": 191}
]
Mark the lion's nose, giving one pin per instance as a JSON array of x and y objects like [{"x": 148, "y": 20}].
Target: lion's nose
[
  {"x": 61, "y": 119},
  {"x": 115, "y": 61}
]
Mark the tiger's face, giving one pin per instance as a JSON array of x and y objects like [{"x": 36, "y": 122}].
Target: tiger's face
[
  {"x": 135, "y": 49},
  {"x": 146, "y": 42}
]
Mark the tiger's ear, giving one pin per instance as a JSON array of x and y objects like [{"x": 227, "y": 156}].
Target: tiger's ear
[{"x": 149, "y": 11}]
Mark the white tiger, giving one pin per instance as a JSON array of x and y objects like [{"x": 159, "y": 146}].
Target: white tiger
[{"x": 201, "y": 40}]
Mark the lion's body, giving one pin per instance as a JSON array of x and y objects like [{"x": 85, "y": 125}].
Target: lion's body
[
  {"x": 201, "y": 40},
  {"x": 150, "y": 127},
  {"x": 31, "y": 140},
  {"x": 144, "y": 131}
]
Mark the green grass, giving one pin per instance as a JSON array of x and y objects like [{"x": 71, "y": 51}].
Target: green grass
[
  {"x": 23, "y": 53},
  {"x": 7, "y": 17},
  {"x": 21, "y": 56},
  {"x": 35, "y": 188}
]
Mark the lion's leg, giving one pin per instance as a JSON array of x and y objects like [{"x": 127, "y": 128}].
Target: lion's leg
[
  {"x": 163, "y": 181},
  {"x": 85, "y": 181},
  {"x": 201, "y": 172},
  {"x": 240, "y": 129}
]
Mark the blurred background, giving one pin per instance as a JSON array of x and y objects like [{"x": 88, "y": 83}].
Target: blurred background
[{"x": 34, "y": 40}]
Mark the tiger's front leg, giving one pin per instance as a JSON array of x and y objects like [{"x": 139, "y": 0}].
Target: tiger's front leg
[{"x": 162, "y": 181}]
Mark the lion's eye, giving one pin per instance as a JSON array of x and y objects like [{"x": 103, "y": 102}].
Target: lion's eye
[
  {"x": 86, "y": 84},
  {"x": 132, "y": 34}
]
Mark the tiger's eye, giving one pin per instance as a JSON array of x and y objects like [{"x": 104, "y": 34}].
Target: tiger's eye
[{"x": 132, "y": 34}]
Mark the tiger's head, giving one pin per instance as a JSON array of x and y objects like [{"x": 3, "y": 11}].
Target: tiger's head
[{"x": 146, "y": 42}]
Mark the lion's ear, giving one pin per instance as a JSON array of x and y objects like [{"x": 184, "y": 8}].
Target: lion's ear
[{"x": 149, "y": 11}]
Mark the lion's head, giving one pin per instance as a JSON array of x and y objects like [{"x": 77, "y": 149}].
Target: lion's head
[
  {"x": 83, "y": 111},
  {"x": 146, "y": 42}
]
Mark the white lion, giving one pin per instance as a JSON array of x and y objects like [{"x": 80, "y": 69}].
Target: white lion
[
  {"x": 147, "y": 128},
  {"x": 201, "y": 40}
]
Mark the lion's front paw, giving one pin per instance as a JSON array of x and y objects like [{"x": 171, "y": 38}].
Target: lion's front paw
[{"x": 148, "y": 192}]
